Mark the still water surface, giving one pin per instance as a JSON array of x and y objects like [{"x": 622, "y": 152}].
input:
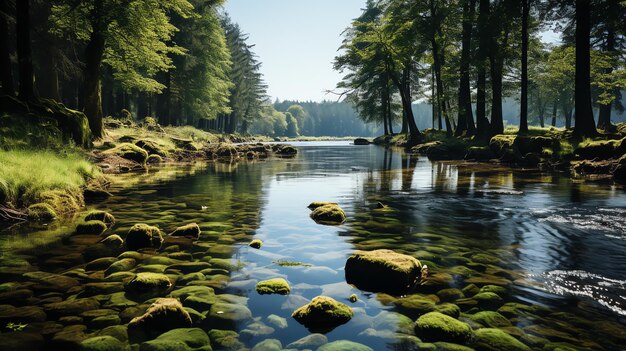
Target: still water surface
[{"x": 551, "y": 241}]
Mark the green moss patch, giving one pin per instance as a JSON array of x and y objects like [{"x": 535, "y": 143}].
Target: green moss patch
[
  {"x": 273, "y": 286},
  {"x": 323, "y": 313},
  {"x": 435, "y": 326}
]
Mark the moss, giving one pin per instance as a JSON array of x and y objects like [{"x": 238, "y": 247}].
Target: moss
[
  {"x": 91, "y": 227},
  {"x": 152, "y": 147},
  {"x": 273, "y": 286},
  {"x": 329, "y": 215},
  {"x": 179, "y": 339},
  {"x": 435, "y": 326},
  {"x": 148, "y": 285},
  {"x": 344, "y": 345},
  {"x": 154, "y": 159},
  {"x": 291, "y": 264},
  {"x": 450, "y": 294},
  {"x": 499, "y": 143},
  {"x": 488, "y": 299},
  {"x": 130, "y": 152},
  {"x": 490, "y": 319},
  {"x": 601, "y": 149},
  {"x": 449, "y": 309},
  {"x": 41, "y": 212},
  {"x": 322, "y": 313},
  {"x": 189, "y": 230},
  {"x": 225, "y": 339},
  {"x": 228, "y": 151},
  {"x": 102, "y": 343},
  {"x": 500, "y": 290},
  {"x": 353, "y": 298},
  {"x": 316, "y": 204},
  {"x": 382, "y": 270},
  {"x": 143, "y": 236},
  {"x": 102, "y": 216},
  {"x": 480, "y": 153},
  {"x": 491, "y": 339},
  {"x": 256, "y": 243},
  {"x": 163, "y": 315}
]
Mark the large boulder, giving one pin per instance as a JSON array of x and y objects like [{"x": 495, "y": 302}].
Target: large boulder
[
  {"x": 361, "y": 141},
  {"x": 273, "y": 286},
  {"x": 163, "y": 315},
  {"x": 147, "y": 285},
  {"x": 130, "y": 152},
  {"x": 142, "y": 236},
  {"x": 383, "y": 270},
  {"x": 435, "y": 326},
  {"x": 191, "y": 230},
  {"x": 322, "y": 314},
  {"x": 330, "y": 214},
  {"x": 102, "y": 216}
]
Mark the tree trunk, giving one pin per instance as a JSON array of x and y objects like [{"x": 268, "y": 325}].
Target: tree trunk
[
  {"x": 6, "y": 72},
  {"x": 24, "y": 55},
  {"x": 163, "y": 100},
  {"x": 142, "y": 106},
  {"x": 465, "y": 117},
  {"x": 388, "y": 107},
  {"x": 440, "y": 100},
  {"x": 523, "y": 123},
  {"x": 604, "y": 115},
  {"x": 554, "y": 114},
  {"x": 585, "y": 125},
  {"x": 383, "y": 105},
  {"x": 407, "y": 102},
  {"x": 482, "y": 124},
  {"x": 92, "y": 90}
]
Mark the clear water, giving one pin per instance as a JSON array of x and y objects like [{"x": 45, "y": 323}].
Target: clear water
[{"x": 559, "y": 243}]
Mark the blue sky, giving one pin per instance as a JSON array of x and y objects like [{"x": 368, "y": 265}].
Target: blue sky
[{"x": 296, "y": 40}]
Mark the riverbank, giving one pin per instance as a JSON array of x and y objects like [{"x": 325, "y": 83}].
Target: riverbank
[{"x": 551, "y": 149}]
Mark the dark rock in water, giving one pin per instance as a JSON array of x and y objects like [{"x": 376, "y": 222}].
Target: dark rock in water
[
  {"x": 435, "y": 326},
  {"x": 94, "y": 194},
  {"x": 123, "y": 265},
  {"x": 532, "y": 144},
  {"x": 361, "y": 141},
  {"x": 163, "y": 315},
  {"x": 256, "y": 243},
  {"x": 143, "y": 236},
  {"x": 316, "y": 204},
  {"x": 328, "y": 215},
  {"x": 227, "y": 151},
  {"x": 113, "y": 241},
  {"x": 154, "y": 159},
  {"x": 148, "y": 285},
  {"x": 91, "y": 227},
  {"x": 479, "y": 153},
  {"x": 103, "y": 343},
  {"x": 323, "y": 314},
  {"x": 189, "y": 230},
  {"x": 228, "y": 315},
  {"x": 382, "y": 271},
  {"x": 492, "y": 339},
  {"x": 71, "y": 307},
  {"x": 100, "y": 264},
  {"x": 601, "y": 150},
  {"x": 102, "y": 216},
  {"x": 179, "y": 339},
  {"x": 26, "y": 314},
  {"x": 286, "y": 151},
  {"x": 21, "y": 341}
]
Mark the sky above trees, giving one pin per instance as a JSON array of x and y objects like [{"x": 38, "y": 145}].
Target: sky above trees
[{"x": 296, "y": 41}]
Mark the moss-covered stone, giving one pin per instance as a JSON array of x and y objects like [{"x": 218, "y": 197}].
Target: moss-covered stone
[
  {"x": 103, "y": 343},
  {"x": 190, "y": 230},
  {"x": 435, "y": 326},
  {"x": 154, "y": 159},
  {"x": 491, "y": 339},
  {"x": 41, "y": 212},
  {"x": 449, "y": 346},
  {"x": 316, "y": 204},
  {"x": 353, "y": 298},
  {"x": 601, "y": 149},
  {"x": 479, "y": 153},
  {"x": 488, "y": 299},
  {"x": 91, "y": 227},
  {"x": 228, "y": 315},
  {"x": 415, "y": 305},
  {"x": 322, "y": 313},
  {"x": 225, "y": 339},
  {"x": 143, "y": 236},
  {"x": 450, "y": 294},
  {"x": 490, "y": 319},
  {"x": 102, "y": 216},
  {"x": 449, "y": 309},
  {"x": 148, "y": 285},
  {"x": 113, "y": 241},
  {"x": 130, "y": 152},
  {"x": 344, "y": 345},
  {"x": 183, "y": 339},
  {"x": 163, "y": 315},
  {"x": 123, "y": 265},
  {"x": 382, "y": 270},
  {"x": 256, "y": 243},
  {"x": 329, "y": 215},
  {"x": 273, "y": 286}
]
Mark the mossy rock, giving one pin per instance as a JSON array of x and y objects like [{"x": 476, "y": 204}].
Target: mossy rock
[
  {"x": 163, "y": 315},
  {"x": 448, "y": 346},
  {"x": 479, "y": 153},
  {"x": 501, "y": 142},
  {"x": 273, "y": 286},
  {"x": 490, "y": 319},
  {"x": 103, "y": 343},
  {"x": 256, "y": 243},
  {"x": 102, "y": 216},
  {"x": 91, "y": 227},
  {"x": 435, "y": 326},
  {"x": 488, "y": 299},
  {"x": 382, "y": 271},
  {"x": 154, "y": 159},
  {"x": 225, "y": 339},
  {"x": 123, "y": 265},
  {"x": 323, "y": 313},
  {"x": 601, "y": 149},
  {"x": 448, "y": 309},
  {"x": 532, "y": 144},
  {"x": 415, "y": 305},
  {"x": 450, "y": 294},
  {"x": 329, "y": 215},
  {"x": 316, "y": 204},
  {"x": 148, "y": 285},
  {"x": 183, "y": 339},
  {"x": 286, "y": 150},
  {"x": 190, "y": 230},
  {"x": 228, "y": 315},
  {"x": 344, "y": 345},
  {"x": 143, "y": 236},
  {"x": 226, "y": 151},
  {"x": 41, "y": 212},
  {"x": 491, "y": 339},
  {"x": 130, "y": 152},
  {"x": 151, "y": 147},
  {"x": 500, "y": 290}
]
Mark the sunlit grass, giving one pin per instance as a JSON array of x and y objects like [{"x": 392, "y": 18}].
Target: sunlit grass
[{"x": 26, "y": 174}]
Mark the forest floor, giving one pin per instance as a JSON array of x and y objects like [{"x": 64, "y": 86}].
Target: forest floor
[{"x": 550, "y": 149}]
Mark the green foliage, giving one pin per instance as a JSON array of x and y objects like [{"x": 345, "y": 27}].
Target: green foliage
[{"x": 292, "y": 130}]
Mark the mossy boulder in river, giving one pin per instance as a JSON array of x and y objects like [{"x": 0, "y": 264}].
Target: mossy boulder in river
[
  {"x": 102, "y": 216},
  {"x": 435, "y": 326},
  {"x": 130, "y": 152},
  {"x": 142, "y": 236},
  {"x": 491, "y": 339},
  {"x": 41, "y": 212},
  {"x": 163, "y": 315},
  {"x": 361, "y": 141},
  {"x": 315, "y": 204},
  {"x": 148, "y": 285},
  {"x": 330, "y": 214},
  {"x": 103, "y": 343},
  {"x": 190, "y": 230},
  {"x": 273, "y": 286},
  {"x": 382, "y": 270},
  {"x": 91, "y": 227},
  {"x": 183, "y": 339},
  {"x": 323, "y": 313},
  {"x": 256, "y": 243},
  {"x": 344, "y": 345}
]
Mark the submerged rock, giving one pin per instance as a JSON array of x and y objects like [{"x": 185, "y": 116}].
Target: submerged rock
[
  {"x": 382, "y": 271},
  {"x": 143, "y": 236},
  {"x": 148, "y": 285},
  {"x": 163, "y": 315},
  {"x": 344, "y": 345},
  {"x": 328, "y": 214},
  {"x": 491, "y": 339},
  {"x": 103, "y": 343},
  {"x": 189, "y": 230},
  {"x": 323, "y": 314},
  {"x": 102, "y": 216},
  {"x": 316, "y": 204},
  {"x": 273, "y": 286},
  {"x": 435, "y": 326},
  {"x": 182, "y": 339},
  {"x": 309, "y": 341}
]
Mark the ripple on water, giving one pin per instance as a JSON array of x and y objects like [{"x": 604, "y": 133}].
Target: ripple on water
[
  {"x": 610, "y": 221},
  {"x": 610, "y": 293}
]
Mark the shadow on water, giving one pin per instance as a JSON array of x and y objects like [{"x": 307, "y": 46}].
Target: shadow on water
[{"x": 544, "y": 239}]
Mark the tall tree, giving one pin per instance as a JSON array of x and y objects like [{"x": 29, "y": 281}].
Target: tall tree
[
  {"x": 585, "y": 125},
  {"x": 465, "y": 116},
  {"x": 523, "y": 125},
  {"x": 482, "y": 123},
  {"x": 24, "y": 55},
  {"x": 6, "y": 73}
]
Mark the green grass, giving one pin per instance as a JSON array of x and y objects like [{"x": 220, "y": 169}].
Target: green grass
[{"x": 27, "y": 175}]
